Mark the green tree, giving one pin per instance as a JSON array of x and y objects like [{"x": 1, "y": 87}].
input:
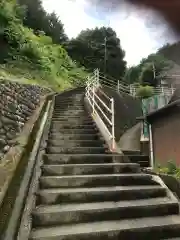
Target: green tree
[
  {"x": 154, "y": 68},
  {"x": 132, "y": 74},
  {"x": 150, "y": 70},
  {"x": 147, "y": 75},
  {"x": 37, "y": 19},
  {"x": 55, "y": 29},
  {"x": 89, "y": 50}
]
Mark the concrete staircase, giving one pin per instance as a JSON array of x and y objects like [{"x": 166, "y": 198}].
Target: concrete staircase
[{"x": 86, "y": 193}]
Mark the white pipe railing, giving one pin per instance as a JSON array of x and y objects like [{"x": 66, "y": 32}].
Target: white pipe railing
[
  {"x": 96, "y": 102},
  {"x": 130, "y": 89},
  {"x": 94, "y": 83}
]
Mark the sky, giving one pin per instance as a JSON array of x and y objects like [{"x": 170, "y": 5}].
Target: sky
[{"x": 140, "y": 32}]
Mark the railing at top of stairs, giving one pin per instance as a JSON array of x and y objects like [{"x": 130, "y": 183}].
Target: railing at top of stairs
[
  {"x": 123, "y": 87},
  {"x": 97, "y": 103}
]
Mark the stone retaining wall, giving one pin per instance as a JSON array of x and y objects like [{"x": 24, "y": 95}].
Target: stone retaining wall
[{"x": 17, "y": 103}]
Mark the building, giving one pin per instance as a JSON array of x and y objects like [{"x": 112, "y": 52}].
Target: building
[{"x": 164, "y": 132}]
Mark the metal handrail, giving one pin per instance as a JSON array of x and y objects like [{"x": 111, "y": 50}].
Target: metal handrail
[
  {"x": 96, "y": 102},
  {"x": 131, "y": 89}
]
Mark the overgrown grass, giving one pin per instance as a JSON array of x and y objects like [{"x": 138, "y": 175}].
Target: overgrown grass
[{"x": 170, "y": 168}]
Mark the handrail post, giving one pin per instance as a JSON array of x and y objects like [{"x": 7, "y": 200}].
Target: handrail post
[
  {"x": 112, "y": 119},
  {"x": 93, "y": 104},
  {"x": 162, "y": 89},
  {"x": 118, "y": 86},
  {"x": 97, "y": 75}
]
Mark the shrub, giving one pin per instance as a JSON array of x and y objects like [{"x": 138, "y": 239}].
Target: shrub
[
  {"x": 170, "y": 169},
  {"x": 144, "y": 91}
]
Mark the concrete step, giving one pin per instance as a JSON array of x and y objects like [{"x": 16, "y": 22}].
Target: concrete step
[
  {"x": 65, "y": 102},
  {"x": 74, "y": 123},
  {"x": 89, "y": 212},
  {"x": 58, "y": 136},
  {"x": 69, "y": 104},
  {"x": 68, "y": 110},
  {"x": 56, "y": 126},
  {"x": 69, "y": 150},
  {"x": 96, "y": 180},
  {"x": 178, "y": 238},
  {"x": 143, "y": 160},
  {"x": 70, "y": 119},
  {"x": 82, "y": 158},
  {"x": 85, "y": 195},
  {"x": 142, "y": 228},
  {"x": 70, "y": 113},
  {"x": 74, "y": 131},
  {"x": 81, "y": 169},
  {"x": 77, "y": 143},
  {"x": 75, "y": 117}
]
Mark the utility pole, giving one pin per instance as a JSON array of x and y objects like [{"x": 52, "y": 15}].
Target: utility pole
[
  {"x": 105, "y": 54},
  {"x": 154, "y": 71}
]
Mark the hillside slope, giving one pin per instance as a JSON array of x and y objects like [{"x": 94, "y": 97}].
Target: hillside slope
[
  {"x": 172, "y": 53},
  {"x": 31, "y": 56}
]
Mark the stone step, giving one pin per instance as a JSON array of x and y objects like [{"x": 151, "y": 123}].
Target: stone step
[
  {"x": 141, "y": 228},
  {"x": 85, "y": 136},
  {"x": 96, "y": 180},
  {"x": 82, "y": 158},
  {"x": 69, "y": 150},
  {"x": 85, "y": 195},
  {"x": 78, "y": 169},
  {"x": 77, "y": 143},
  {"x": 74, "y": 131},
  {"x": 89, "y": 212}
]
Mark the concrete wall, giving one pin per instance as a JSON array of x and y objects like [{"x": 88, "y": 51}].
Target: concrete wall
[
  {"x": 127, "y": 109},
  {"x": 17, "y": 103}
]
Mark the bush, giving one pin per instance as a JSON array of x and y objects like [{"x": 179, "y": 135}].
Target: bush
[
  {"x": 170, "y": 169},
  {"x": 144, "y": 91}
]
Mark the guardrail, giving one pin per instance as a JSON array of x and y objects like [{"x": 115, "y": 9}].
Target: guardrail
[
  {"x": 97, "y": 103},
  {"x": 122, "y": 87},
  {"x": 168, "y": 91}
]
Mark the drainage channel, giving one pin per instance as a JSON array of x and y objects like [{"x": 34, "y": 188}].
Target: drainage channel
[{"x": 16, "y": 201}]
